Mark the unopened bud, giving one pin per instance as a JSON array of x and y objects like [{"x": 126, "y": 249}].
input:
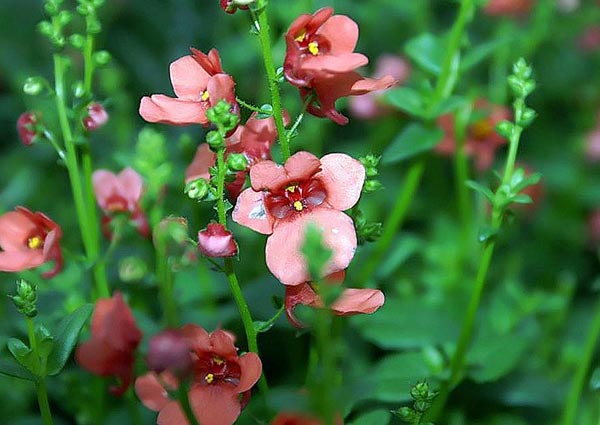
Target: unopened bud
[
  {"x": 77, "y": 41},
  {"x": 97, "y": 117},
  {"x": 216, "y": 241},
  {"x": 33, "y": 86},
  {"x": 132, "y": 269},
  {"x": 372, "y": 186},
  {"x": 237, "y": 162},
  {"x": 215, "y": 140},
  {"x": 197, "y": 189},
  {"x": 26, "y": 124},
  {"x": 26, "y": 298},
  {"x": 170, "y": 351},
  {"x": 102, "y": 57},
  {"x": 505, "y": 128},
  {"x": 420, "y": 391}
]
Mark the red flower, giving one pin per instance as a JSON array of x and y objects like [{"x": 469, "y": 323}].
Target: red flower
[
  {"x": 120, "y": 193},
  {"x": 283, "y": 200},
  {"x": 28, "y": 240},
  {"x": 26, "y": 128},
  {"x": 169, "y": 350},
  {"x": 320, "y": 60},
  {"x": 199, "y": 83},
  {"x": 508, "y": 7},
  {"x": 216, "y": 241},
  {"x": 482, "y": 139},
  {"x": 219, "y": 379},
  {"x": 96, "y": 118},
  {"x": 293, "y": 418},
  {"x": 231, "y": 6},
  {"x": 115, "y": 337},
  {"x": 352, "y": 301}
]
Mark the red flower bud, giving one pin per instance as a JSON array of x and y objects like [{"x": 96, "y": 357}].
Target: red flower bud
[
  {"x": 26, "y": 128},
  {"x": 216, "y": 241},
  {"x": 169, "y": 350},
  {"x": 97, "y": 117}
]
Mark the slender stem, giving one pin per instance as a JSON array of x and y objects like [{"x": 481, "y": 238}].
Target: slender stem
[
  {"x": 252, "y": 107},
  {"x": 461, "y": 173},
  {"x": 134, "y": 411},
  {"x": 184, "y": 401},
  {"x": 222, "y": 169},
  {"x": 578, "y": 383},
  {"x": 89, "y": 64},
  {"x": 165, "y": 285},
  {"x": 42, "y": 392},
  {"x": 31, "y": 335},
  {"x": 322, "y": 382},
  {"x": 265, "y": 43},
  {"x": 394, "y": 221}
]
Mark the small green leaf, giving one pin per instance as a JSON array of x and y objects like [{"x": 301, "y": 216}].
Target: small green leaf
[
  {"x": 24, "y": 355},
  {"x": 14, "y": 370},
  {"x": 485, "y": 191},
  {"x": 66, "y": 338},
  {"x": 478, "y": 53},
  {"x": 447, "y": 105},
  {"x": 427, "y": 51},
  {"x": 406, "y": 99},
  {"x": 416, "y": 138},
  {"x": 486, "y": 233},
  {"x": 44, "y": 340},
  {"x": 522, "y": 199}
]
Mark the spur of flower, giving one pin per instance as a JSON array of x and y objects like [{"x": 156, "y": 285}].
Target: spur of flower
[
  {"x": 199, "y": 82},
  {"x": 28, "y": 240},
  {"x": 220, "y": 380},
  {"x": 284, "y": 199},
  {"x": 320, "y": 61},
  {"x": 111, "y": 349},
  {"x": 120, "y": 193}
]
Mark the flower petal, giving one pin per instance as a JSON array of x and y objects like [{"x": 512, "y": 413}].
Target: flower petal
[
  {"x": 357, "y": 301},
  {"x": 251, "y": 367},
  {"x": 301, "y": 166},
  {"x": 343, "y": 178},
  {"x": 200, "y": 166},
  {"x": 250, "y": 211},
  {"x": 214, "y": 405},
  {"x": 105, "y": 183},
  {"x": 131, "y": 185},
  {"x": 16, "y": 261},
  {"x": 222, "y": 344},
  {"x": 152, "y": 394},
  {"x": 15, "y": 229},
  {"x": 342, "y": 33},
  {"x": 334, "y": 63},
  {"x": 267, "y": 175},
  {"x": 197, "y": 338},
  {"x": 162, "y": 109},
  {"x": 189, "y": 79}
]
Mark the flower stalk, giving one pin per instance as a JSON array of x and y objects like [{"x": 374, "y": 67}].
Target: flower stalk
[{"x": 42, "y": 392}]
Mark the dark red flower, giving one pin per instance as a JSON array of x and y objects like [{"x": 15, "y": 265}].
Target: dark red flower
[
  {"x": 28, "y": 240},
  {"x": 96, "y": 117},
  {"x": 169, "y": 350},
  {"x": 219, "y": 381},
  {"x": 110, "y": 350},
  {"x": 26, "y": 128}
]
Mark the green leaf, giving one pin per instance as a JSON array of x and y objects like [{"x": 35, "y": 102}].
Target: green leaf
[
  {"x": 406, "y": 99},
  {"x": 262, "y": 325},
  {"x": 416, "y": 138},
  {"x": 492, "y": 357},
  {"x": 66, "y": 338},
  {"x": 476, "y": 54},
  {"x": 427, "y": 51},
  {"x": 14, "y": 370},
  {"x": 24, "y": 355},
  {"x": 395, "y": 374},
  {"x": 447, "y": 105},
  {"x": 45, "y": 341},
  {"x": 485, "y": 191},
  {"x": 376, "y": 417}
]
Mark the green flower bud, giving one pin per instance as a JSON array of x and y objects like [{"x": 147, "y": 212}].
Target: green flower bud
[
  {"x": 78, "y": 89},
  {"x": 372, "y": 186},
  {"x": 93, "y": 25},
  {"x": 45, "y": 28},
  {"x": 421, "y": 406},
  {"x": 33, "y": 85},
  {"x": 406, "y": 414},
  {"x": 26, "y": 298},
  {"x": 102, "y": 57},
  {"x": 237, "y": 162},
  {"x": 215, "y": 140},
  {"x": 132, "y": 269},
  {"x": 505, "y": 128},
  {"x": 77, "y": 41},
  {"x": 197, "y": 189},
  {"x": 64, "y": 17},
  {"x": 420, "y": 391}
]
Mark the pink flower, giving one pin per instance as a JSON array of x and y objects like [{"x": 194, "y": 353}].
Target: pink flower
[
  {"x": 482, "y": 139},
  {"x": 589, "y": 41},
  {"x": 219, "y": 377},
  {"x": 96, "y": 118},
  {"x": 352, "y": 301},
  {"x": 294, "y": 418},
  {"x": 216, "y": 241},
  {"x": 592, "y": 149},
  {"x": 199, "y": 83},
  {"x": 26, "y": 127},
  {"x": 253, "y": 140},
  {"x": 283, "y": 200},
  {"x": 508, "y": 7},
  {"x": 320, "y": 61},
  {"x": 111, "y": 349},
  {"x": 231, "y": 6},
  {"x": 120, "y": 193},
  {"x": 28, "y": 240},
  {"x": 369, "y": 106},
  {"x": 169, "y": 350},
  {"x": 594, "y": 227}
]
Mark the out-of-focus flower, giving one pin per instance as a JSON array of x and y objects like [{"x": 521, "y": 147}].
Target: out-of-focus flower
[
  {"x": 26, "y": 128},
  {"x": 592, "y": 148},
  {"x": 508, "y": 7},
  {"x": 482, "y": 138},
  {"x": 231, "y": 6},
  {"x": 253, "y": 140},
  {"x": 320, "y": 61},
  {"x": 594, "y": 227},
  {"x": 219, "y": 377},
  {"x": 28, "y": 240},
  {"x": 216, "y": 241},
  {"x": 120, "y": 193},
  {"x": 96, "y": 117},
  {"x": 369, "y": 106},
  {"x": 352, "y": 301},
  {"x": 169, "y": 350},
  {"x": 294, "y": 418},
  {"x": 111, "y": 349},
  {"x": 199, "y": 83},
  {"x": 589, "y": 41},
  {"x": 283, "y": 200}
]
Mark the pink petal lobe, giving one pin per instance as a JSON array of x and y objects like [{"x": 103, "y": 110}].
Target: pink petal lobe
[
  {"x": 267, "y": 175},
  {"x": 162, "y": 109},
  {"x": 222, "y": 344},
  {"x": 15, "y": 229},
  {"x": 250, "y": 211},
  {"x": 251, "y": 370},
  {"x": 172, "y": 414},
  {"x": 343, "y": 178},
  {"x": 188, "y": 78},
  {"x": 151, "y": 392},
  {"x": 221, "y": 87},
  {"x": 342, "y": 32},
  {"x": 104, "y": 183},
  {"x": 132, "y": 185},
  {"x": 334, "y": 63},
  {"x": 203, "y": 160},
  {"x": 358, "y": 301},
  {"x": 16, "y": 261},
  {"x": 214, "y": 405},
  {"x": 366, "y": 85},
  {"x": 197, "y": 338},
  {"x": 301, "y": 165}
]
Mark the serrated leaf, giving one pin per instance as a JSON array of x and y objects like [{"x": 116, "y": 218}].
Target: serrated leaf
[
  {"x": 66, "y": 338},
  {"x": 427, "y": 51},
  {"x": 24, "y": 355},
  {"x": 14, "y": 370},
  {"x": 406, "y": 99},
  {"x": 416, "y": 138}
]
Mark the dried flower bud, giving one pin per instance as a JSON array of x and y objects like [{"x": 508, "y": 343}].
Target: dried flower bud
[
  {"x": 216, "y": 241},
  {"x": 97, "y": 117}
]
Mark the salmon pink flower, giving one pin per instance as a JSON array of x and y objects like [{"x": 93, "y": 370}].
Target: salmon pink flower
[
  {"x": 283, "y": 200},
  {"x": 199, "y": 83},
  {"x": 216, "y": 241},
  {"x": 352, "y": 301},
  {"x": 293, "y": 418},
  {"x": 320, "y": 61},
  {"x": 26, "y": 127},
  {"x": 28, "y": 240},
  {"x": 220, "y": 381},
  {"x": 594, "y": 227},
  {"x": 96, "y": 117},
  {"x": 507, "y": 7},
  {"x": 120, "y": 193},
  {"x": 482, "y": 138},
  {"x": 111, "y": 349}
]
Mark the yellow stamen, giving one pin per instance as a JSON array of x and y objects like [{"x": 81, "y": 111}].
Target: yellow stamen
[
  {"x": 301, "y": 36},
  {"x": 209, "y": 378},
  {"x": 205, "y": 96},
  {"x": 482, "y": 129},
  {"x": 218, "y": 360},
  {"x": 291, "y": 188},
  {"x": 35, "y": 242},
  {"x": 298, "y": 205},
  {"x": 313, "y": 47}
]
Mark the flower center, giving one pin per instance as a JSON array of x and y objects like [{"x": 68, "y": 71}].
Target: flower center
[
  {"x": 313, "y": 47},
  {"x": 481, "y": 129},
  {"x": 295, "y": 198},
  {"x": 205, "y": 96},
  {"x": 300, "y": 37},
  {"x": 209, "y": 378},
  {"x": 212, "y": 369},
  {"x": 35, "y": 242}
]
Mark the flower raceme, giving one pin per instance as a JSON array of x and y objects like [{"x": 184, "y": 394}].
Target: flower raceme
[
  {"x": 220, "y": 381},
  {"x": 199, "y": 82},
  {"x": 283, "y": 200},
  {"x": 120, "y": 193},
  {"x": 320, "y": 61},
  {"x": 111, "y": 348},
  {"x": 28, "y": 240}
]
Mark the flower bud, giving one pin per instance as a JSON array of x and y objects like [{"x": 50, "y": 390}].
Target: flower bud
[
  {"x": 78, "y": 89},
  {"x": 77, "y": 41},
  {"x": 33, "y": 86},
  {"x": 505, "y": 128},
  {"x": 237, "y": 162},
  {"x": 231, "y": 6},
  {"x": 102, "y": 57},
  {"x": 26, "y": 298},
  {"x": 169, "y": 351},
  {"x": 26, "y": 127},
  {"x": 197, "y": 189},
  {"x": 406, "y": 414},
  {"x": 372, "y": 186},
  {"x": 97, "y": 117},
  {"x": 215, "y": 140},
  {"x": 216, "y": 241},
  {"x": 420, "y": 391},
  {"x": 132, "y": 269}
]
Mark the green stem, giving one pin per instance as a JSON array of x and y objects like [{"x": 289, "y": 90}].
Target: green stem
[
  {"x": 252, "y": 107},
  {"x": 461, "y": 172},
  {"x": 165, "y": 286},
  {"x": 265, "y": 43},
  {"x": 42, "y": 392},
  {"x": 222, "y": 169},
  {"x": 89, "y": 64},
  {"x": 578, "y": 383},
  {"x": 134, "y": 411},
  {"x": 184, "y": 401},
  {"x": 322, "y": 382},
  {"x": 395, "y": 219}
]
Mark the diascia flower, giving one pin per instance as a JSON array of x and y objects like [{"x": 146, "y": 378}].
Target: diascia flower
[
  {"x": 28, "y": 240},
  {"x": 253, "y": 140},
  {"x": 111, "y": 349},
  {"x": 120, "y": 193},
  {"x": 320, "y": 61},
  {"x": 351, "y": 301},
  {"x": 220, "y": 381},
  {"x": 283, "y": 200},
  {"x": 482, "y": 138},
  {"x": 199, "y": 82}
]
